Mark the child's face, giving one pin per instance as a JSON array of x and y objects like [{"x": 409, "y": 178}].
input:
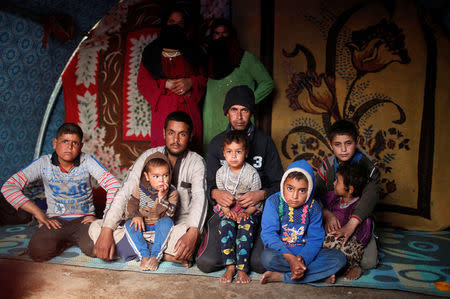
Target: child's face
[
  {"x": 67, "y": 147},
  {"x": 339, "y": 188},
  {"x": 157, "y": 176},
  {"x": 295, "y": 192},
  {"x": 343, "y": 146},
  {"x": 234, "y": 154}
]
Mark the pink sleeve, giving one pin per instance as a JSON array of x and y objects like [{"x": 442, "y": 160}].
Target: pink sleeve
[
  {"x": 111, "y": 185},
  {"x": 12, "y": 189}
]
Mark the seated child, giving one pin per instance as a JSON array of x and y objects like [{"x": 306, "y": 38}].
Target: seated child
[
  {"x": 292, "y": 232},
  {"x": 343, "y": 139},
  {"x": 150, "y": 209},
  {"x": 350, "y": 181},
  {"x": 66, "y": 175},
  {"x": 237, "y": 225}
]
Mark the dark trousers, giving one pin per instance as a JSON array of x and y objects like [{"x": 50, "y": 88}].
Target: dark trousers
[
  {"x": 209, "y": 257},
  {"x": 237, "y": 241},
  {"x": 46, "y": 243}
]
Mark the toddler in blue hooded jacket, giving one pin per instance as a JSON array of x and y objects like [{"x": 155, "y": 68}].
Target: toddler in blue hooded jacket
[{"x": 293, "y": 234}]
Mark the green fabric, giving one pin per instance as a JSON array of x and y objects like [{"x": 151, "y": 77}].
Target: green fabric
[{"x": 251, "y": 72}]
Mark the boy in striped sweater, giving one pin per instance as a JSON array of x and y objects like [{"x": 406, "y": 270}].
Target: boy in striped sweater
[{"x": 66, "y": 175}]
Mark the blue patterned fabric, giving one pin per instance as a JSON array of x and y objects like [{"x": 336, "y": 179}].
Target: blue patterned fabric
[
  {"x": 29, "y": 73},
  {"x": 409, "y": 260}
]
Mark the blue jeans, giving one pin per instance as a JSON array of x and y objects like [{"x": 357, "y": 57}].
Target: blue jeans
[
  {"x": 326, "y": 263},
  {"x": 139, "y": 244}
]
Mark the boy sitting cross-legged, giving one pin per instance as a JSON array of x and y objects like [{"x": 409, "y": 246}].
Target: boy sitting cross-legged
[
  {"x": 292, "y": 232},
  {"x": 66, "y": 175}
]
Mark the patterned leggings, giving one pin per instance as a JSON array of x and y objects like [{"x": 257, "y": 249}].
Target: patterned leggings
[
  {"x": 353, "y": 250},
  {"x": 236, "y": 241}
]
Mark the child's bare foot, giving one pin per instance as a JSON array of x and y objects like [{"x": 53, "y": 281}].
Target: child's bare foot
[
  {"x": 353, "y": 273},
  {"x": 153, "y": 264},
  {"x": 227, "y": 277},
  {"x": 186, "y": 263},
  {"x": 242, "y": 277},
  {"x": 144, "y": 264},
  {"x": 171, "y": 258},
  {"x": 331, "y": 279},
  {"x": 270, "y": 276}
]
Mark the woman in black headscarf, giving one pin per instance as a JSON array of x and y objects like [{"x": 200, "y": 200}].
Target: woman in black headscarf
[
  {"x": 170, "y": 78},
  {"x": 229, "y": 66}
]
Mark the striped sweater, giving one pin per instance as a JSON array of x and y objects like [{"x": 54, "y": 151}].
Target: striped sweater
[{"x": 68, "y": 194}]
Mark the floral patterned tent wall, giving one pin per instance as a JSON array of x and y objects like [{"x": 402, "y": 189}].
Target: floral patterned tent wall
[
  {"x": 100, "y": 80},
  {"x": 382, "y": 65}
]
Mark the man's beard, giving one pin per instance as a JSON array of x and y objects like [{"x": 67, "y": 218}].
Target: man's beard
[{"x": 176, "y": 154}]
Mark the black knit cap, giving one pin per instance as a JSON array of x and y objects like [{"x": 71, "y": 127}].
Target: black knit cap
[{"x": 239, "y": 95}]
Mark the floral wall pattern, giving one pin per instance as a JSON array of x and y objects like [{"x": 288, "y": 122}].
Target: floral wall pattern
[{"x": 359, "y": 68}]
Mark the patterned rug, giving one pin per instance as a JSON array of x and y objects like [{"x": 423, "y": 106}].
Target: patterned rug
[{"x": 409, "y": 260}]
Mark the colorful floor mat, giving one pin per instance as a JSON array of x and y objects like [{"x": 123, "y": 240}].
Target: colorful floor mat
[{"x": 409, "y": 260}]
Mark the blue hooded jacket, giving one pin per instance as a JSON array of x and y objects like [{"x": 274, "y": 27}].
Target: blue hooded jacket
[{"x": 298, "y": 231}]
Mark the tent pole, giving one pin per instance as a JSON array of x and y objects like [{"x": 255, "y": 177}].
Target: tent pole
[{"x": 51, "y": 103}]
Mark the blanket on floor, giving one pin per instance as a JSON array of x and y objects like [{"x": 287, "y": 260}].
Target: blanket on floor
[{"x": 409, "y": 260}]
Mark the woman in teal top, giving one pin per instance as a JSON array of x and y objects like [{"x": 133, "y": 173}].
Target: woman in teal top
[{"x": 228, "y": 66}]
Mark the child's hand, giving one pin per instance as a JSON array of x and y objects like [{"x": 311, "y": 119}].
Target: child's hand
[
  {"x": 244, "y": 215},
  {"x": 229, "y": 213},
  {"x": 299, "y": 268},
  {"x": 297, "y": 265},
  {"x": 88, "y": 219},
  {"x": 48, "y": 222},
  {"x": 138, "y": 224},
  {"x": 332, "y": 224},
  {"x": 347, "y": 230},
  {"x": 163, "y": 191}
]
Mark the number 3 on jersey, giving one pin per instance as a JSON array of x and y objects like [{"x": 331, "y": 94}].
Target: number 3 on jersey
[{"x": 257, "y": 162}]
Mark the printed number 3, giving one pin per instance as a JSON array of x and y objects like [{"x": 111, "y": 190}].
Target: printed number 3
[{"x": 258, "y": 162}]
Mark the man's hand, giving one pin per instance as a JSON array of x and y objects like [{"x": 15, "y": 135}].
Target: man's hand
[
  {"x": 88, "y": 219},
  {"x": 297, "y": 265},
  {"x": 331, "y": 222},
  {"x": 184, "y": 249},
  {"x": 104, "y": 247},
  {"x": 347, "y": 230},
  {"x": 251, "y": 198},
  {"x": 138, "y": 223},
  {"x": 223, "y": 198}
]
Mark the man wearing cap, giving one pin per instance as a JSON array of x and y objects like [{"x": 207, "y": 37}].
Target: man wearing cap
[{"x": 239, "y": 106}]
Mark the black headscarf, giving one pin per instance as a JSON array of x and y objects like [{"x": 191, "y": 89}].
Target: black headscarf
[
  {"x": 171, "y": 37},
  {"x": 225, "y": 53}
]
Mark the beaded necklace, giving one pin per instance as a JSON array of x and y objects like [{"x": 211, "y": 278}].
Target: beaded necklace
[
  {"x": 170, "y": 54},
  {"x": 238, "y": 180}
]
